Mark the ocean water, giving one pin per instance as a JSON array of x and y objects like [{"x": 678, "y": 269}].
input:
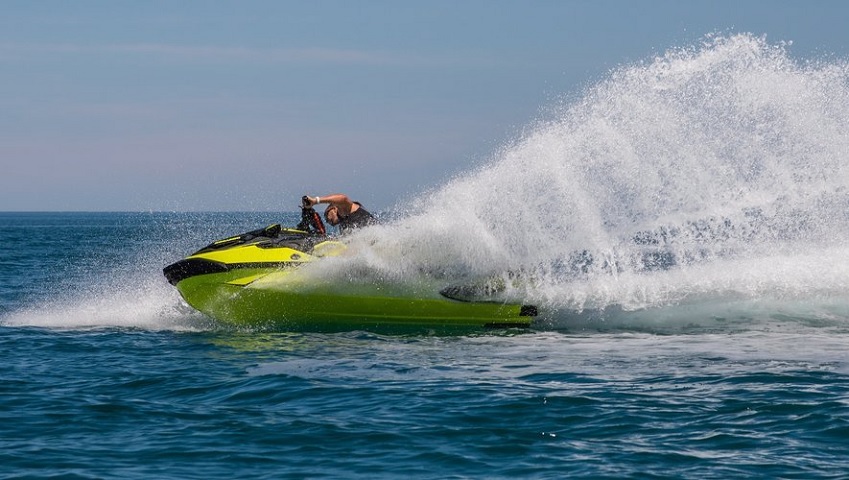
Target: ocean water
[{"x": 681, "y": 226}]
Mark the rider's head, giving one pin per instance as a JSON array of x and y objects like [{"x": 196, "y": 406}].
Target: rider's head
[{"x": 331, "y": 214}]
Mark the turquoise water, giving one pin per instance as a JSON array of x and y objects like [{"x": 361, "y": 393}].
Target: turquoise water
[{"x": 106, "y": 375}]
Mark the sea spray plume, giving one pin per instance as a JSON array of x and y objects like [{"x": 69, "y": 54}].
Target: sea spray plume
[
  {"x": 706, "y": 133},
  {"x": 632, "y": 196}
]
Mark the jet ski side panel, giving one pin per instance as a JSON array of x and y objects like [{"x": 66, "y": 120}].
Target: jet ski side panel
[{"x": 222, "y": 297}]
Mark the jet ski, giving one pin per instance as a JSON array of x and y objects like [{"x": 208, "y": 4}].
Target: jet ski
[{"x": 257, "y": 280}]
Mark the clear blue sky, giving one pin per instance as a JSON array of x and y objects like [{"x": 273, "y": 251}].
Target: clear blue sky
[{"x": 247, "y": 105}]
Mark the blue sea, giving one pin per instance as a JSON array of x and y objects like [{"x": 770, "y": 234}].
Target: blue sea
[
  {"x": 681, "y": 227},
  {"x": 106, "y": 375}
]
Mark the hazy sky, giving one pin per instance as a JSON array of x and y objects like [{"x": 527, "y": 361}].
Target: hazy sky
[{"x": 247, "y": 105}]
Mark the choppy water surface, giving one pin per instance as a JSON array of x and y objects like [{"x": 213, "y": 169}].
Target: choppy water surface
[{"x": 123, "y": 403}]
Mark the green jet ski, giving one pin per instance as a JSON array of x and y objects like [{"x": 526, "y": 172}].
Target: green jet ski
[{"x": 255, "y": 281}]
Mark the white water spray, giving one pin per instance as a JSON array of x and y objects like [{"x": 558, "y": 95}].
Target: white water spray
[{"x": 716, "y": 172}]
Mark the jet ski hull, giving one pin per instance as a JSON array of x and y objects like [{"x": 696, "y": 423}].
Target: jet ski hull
[
  {"x": 221, "y": 297},
  {"x": 258, "y": 286}
]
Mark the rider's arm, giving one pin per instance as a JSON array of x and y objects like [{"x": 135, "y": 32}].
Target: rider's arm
[{"x": 339, "y": 199}]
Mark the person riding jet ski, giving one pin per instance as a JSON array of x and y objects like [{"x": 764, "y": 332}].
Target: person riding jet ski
[{"x": 342, "y": 212}]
